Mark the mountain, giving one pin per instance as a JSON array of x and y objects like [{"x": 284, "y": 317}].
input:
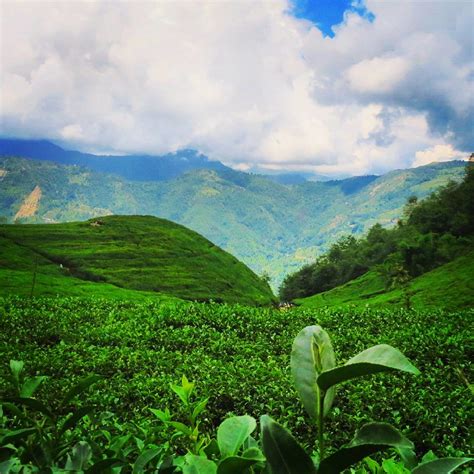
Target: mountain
[
  {"x": 287, "y": 176},
  {"x": 431, "y": 232},
  {"x": 448, "y": 287},
  {"x": 131, "y": 167},
  {"x": 272, "y": 227},
  {"x": 141, "y": 253}
]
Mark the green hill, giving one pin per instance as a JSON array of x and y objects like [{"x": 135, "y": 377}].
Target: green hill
[
  {"x": 271, "y": 227},
  {"x": 124, "y": 252},
  {"x": 431, "y": 233},
  {"x": 447, "y": 287},
  {"x": 24, "y": 272}
]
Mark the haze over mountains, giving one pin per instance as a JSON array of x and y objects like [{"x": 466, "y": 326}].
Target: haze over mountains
[
  {"x": 139, "y": 167},
  {"x": 270, "y": 226},
  {"x": 133, "y": 167}
]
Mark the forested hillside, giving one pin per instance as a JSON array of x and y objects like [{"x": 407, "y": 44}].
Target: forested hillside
[
  {"x": 430, "y": 233},
  {"x": 272, "y": 227},
  {"x": 449, "y": 287}
]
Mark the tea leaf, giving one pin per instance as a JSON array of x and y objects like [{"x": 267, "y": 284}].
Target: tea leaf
[
  {"x": 253, "y": 453},
  {"x": 312, "y": 353},
  {"x": 80, "y": 387},
  {"x": 235, "y": 465},
  {"x": 283, "y": 453},
  {"x": 198, "y": 465},
  {"x": 376, "y": 359},
  {"x": 163, "y": 416},
  {"x": 144, "y": 459},
  {"x": 198, "y": 409},
  {"x": 16, "y": 367},
  {"x": 232, "y": 433},
  {"x": 31, "y": 385},
  {"x": 75, "y": 417},
  {"x": 32, "y": 403},
  {"x": 440, "y": 466},
  {"x": 371, "y": 438},
  {"x": 81, "y": 454},
  {"x": 102, "y": 466},
  {"x": 15, "y": 435}
]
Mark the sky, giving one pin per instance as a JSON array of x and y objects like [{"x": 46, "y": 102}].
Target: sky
[{"x": 336, "y": 87}]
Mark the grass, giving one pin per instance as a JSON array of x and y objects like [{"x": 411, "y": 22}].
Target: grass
[
  {"x": 140, "y": 253},
  {"x": 449, "y": 287}
]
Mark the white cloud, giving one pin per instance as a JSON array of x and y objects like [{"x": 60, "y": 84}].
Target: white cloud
[
  {"x": 377, "y": 75},
  {"x": 72, "y": 132},
  {"x": 247, "y": 85},
  {"x": 438, "y": 153}
]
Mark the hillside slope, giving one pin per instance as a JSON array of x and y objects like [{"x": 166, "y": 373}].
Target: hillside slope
[
  {"x": 271, "y": 227},
  {"x": 447, "y": 287},
  {"x": 138, "y": 253},
  {"x": 24, "y": 272}
]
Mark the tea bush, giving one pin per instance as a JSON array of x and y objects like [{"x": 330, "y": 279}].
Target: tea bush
[{"x": 240, "y": 358}]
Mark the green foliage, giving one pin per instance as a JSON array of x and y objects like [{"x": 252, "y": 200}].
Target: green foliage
[
  {"x": 433, "y": 232},
  {"x": 43, "y": 438},
  {"x": 449, "y": 210},
  {"x": 316, "y": 376},
  {"x": 370, "y": 439},
  {"x": 193, "y": 409},
  {"x": 239, "y": 355},
  {"x": 233, "y": 432},
  {"x": 283, "y": 452},
  {"x": 271, "y": 227},
  {"x": 311, "y": 355},
  {"x": 51, "y": 444},
  {"x": 449, "y": 286},
  {"x": 131, "y": 252},
  {"x": 380, "y": 358}
]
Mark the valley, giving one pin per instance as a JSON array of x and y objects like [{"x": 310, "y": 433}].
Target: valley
[
  {"x": 273, "y": 228},
  {"x": 236, "y": 237},
  {"x": 111, "y": 312},
  {"x": 449, "y": 286}
]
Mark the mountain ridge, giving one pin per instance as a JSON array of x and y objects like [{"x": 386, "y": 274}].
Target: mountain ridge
[
  {"x": 132, "y": 167},
  {"x": 274, "y": 228}
]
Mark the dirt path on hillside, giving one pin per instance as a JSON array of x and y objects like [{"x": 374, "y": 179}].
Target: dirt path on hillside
[{"x": 30, "y": 204}]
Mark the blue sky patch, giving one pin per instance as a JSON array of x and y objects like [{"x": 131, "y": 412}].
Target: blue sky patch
[{"x": 327, "y": 13}]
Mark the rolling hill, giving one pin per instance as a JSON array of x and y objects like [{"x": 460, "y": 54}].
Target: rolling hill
[
  {"x": 272, "y": 227},
  {"x": 139, "y": 253},
  {"x": 449, "y": 286},
  {"x": 24, "y": 272}
]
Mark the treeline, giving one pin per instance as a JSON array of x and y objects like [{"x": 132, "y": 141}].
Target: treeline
[{"x": 430, "y": 233}]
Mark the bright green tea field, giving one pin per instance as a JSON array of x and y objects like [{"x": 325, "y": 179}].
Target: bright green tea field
[
  {"x": 449, "y": 286},
  {"x": 239, "y": 357},
  {"x": 140, "y": 253}
]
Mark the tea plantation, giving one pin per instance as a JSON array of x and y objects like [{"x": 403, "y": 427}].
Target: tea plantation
[
  {"x": 239, "y": 358},
  {"x": 144, "y": 254}
]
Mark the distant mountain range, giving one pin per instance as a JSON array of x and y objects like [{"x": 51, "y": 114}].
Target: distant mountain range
[
  {"x": 270, "y": 226},
  {"x": 138, "y": 167},
  {"x": 132, "y": 167}
]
